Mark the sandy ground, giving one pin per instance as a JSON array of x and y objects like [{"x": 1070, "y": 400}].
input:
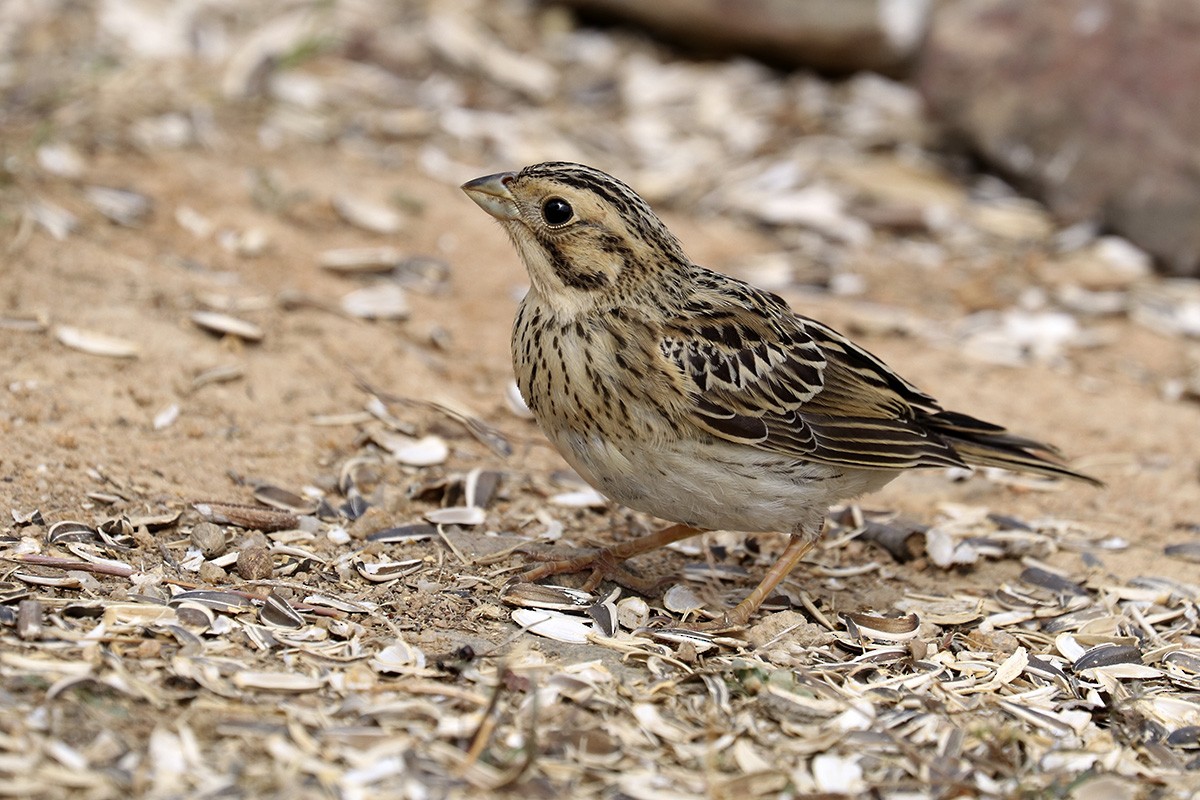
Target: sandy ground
[{"x": 87, "y": 437}]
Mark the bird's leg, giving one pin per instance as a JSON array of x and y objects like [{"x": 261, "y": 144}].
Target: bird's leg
[
  {"x": 740, "y": 614},
  {"x": 606, "y": 562}
]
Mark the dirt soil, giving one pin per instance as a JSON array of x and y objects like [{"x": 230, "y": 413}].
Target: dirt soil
[{"x": 88, "y": 437}]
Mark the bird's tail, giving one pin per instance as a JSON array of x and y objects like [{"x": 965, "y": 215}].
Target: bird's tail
[{"x": 983, "y": 444}]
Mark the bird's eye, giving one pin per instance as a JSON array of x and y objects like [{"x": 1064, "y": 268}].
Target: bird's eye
[{"x": 557, "y": 211}]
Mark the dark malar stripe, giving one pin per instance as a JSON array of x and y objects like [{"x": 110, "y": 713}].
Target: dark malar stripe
[{"x": 587, "y": 281}]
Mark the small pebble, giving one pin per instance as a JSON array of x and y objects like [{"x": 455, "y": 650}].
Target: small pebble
[
  {"x": 254, "y": 563},
  {"x": 211, "y": 573},
  {"x": 209, "y": 538}
]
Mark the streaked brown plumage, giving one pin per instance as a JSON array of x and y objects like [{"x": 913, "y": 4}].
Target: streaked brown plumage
[{"x": 697, "y": 397}]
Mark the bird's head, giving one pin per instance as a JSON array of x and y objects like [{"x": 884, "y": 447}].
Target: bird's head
[{"x": 586, "y": 238}]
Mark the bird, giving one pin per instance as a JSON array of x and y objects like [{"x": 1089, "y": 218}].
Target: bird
[{"x": 699, "y": 398}]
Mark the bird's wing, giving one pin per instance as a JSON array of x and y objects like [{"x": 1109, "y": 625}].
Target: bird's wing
[{"x": 760, "y": 375}]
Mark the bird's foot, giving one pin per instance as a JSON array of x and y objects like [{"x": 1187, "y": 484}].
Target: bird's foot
[{"x": 603, "y": 564}]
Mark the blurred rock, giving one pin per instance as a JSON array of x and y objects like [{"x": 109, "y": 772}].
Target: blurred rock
[
  {"x": 833, "y": 35},
  {"x": 1091, "y": 103}
]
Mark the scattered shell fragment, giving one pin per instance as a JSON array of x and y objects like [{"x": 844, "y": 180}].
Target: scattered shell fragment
[
  {"x": 424, "y": 452},
  {"x": 884, "y": 629},
  {"x": 166, "y": 417},
  {"x": 277, "y": 681},
  {"x": 58, "y": 221},
  {"x": 227, "y": 325},
  {"x": 96, "y": 344},
  {"x": 70, "y": 531},
  {"x": 24, "y": 323},
  {"x": 278, "y": 497},
  {"x": 537, "y": 595},
  {"x": 121, "y": 206},
  {"x": 279, "y": 613},
  {"x": 404, "y": 533},
  {"x": 385, "y": 571},
  {"x": 61, "y": 159},
  {"x": 457, "y": 515},
  {"x": 381, "y": 301},
  {"x": 553, "y": 625},
  {"x": 361, "y": 260},
  {"x": 1188, "y": 551},
  {"x": 398, "y": 658},
  {"x": 632, "y": 612},
  {"x": 364, "y": 214},
  {"x": 224, "y": 602},
  {"x": 682, "y": 599}
]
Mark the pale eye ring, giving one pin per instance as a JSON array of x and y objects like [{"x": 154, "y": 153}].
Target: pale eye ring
[{"x": 557, "y": 211}]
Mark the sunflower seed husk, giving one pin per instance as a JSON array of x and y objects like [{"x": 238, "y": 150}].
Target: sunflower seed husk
[
  {"x": 29, "y": 619},
  {"x": 354, "y": 507},
  {"x": 279, "y": 613},
  {"x": 225, "y": 602},
  {"x": 95, "y": 344},
  {"x": 383, "y": 572},
  {"x": 537, "y": 595},
  {"x": 61, "y": 159},
  {"x": 227, "y": 325},
  {"x": 1051, "y": 581},
  {"x": 605, "y": 616},
  {"x": 24, "y": 324},
  {"x": 121, "y": 206},
  {"x": 58, "y": 221},
  {"x": 278, "y": 681},
  {"x": 381, "y": 301},
  {"x": 1188, "y": 551},
  {"x": 885, "y": 629},
  {"x": 361, "y": 260},
  {"x": 457, "y": 515},
  {"x": 417, "y": 532},
  {"x": 284, "y": 500},
  {"x": 427, "y": 451},
  {"x": 367, "y": 215},
  {"x": 682, "y": 599},
  {"x": 1105, "y": 655},
  {"x": 70, "y": 531},
  {"x": 553, "y": 625}
]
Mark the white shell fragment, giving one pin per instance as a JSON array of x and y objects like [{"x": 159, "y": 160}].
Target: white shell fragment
[
  {"x": 56, "y": 220},
  {"x": 367, "y": 215},
  {"x": 554, "y": 625},
  {"x": 277, "y": 681},
  {"x": 536, "y": 595},
  {"x": 682, "y": 599},
  {"x": 357, "y": 260},
  {"x": 424, "y": 452},
  {"x": 119, "y": 205},
  {"x": 398, "y": 658},
  {"x": 381, "y": 301},
  {"x": 166, "y": 418},
  {"x": 96, "y": 344},
  {"x": 457, "y": 515},
  {"x": 61, "y": 159},
  {"x": 226, "y": 325}
]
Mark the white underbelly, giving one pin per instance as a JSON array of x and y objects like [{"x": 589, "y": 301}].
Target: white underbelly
[{"x": 717, "y": 485}]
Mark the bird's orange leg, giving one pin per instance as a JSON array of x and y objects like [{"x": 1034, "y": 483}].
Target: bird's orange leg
[
  {"x": 606, "y": 562},
  {"x": 740, "y": 614}
]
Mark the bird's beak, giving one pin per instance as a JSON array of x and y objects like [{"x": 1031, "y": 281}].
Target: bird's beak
[{"x": 492, "y": 194}]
